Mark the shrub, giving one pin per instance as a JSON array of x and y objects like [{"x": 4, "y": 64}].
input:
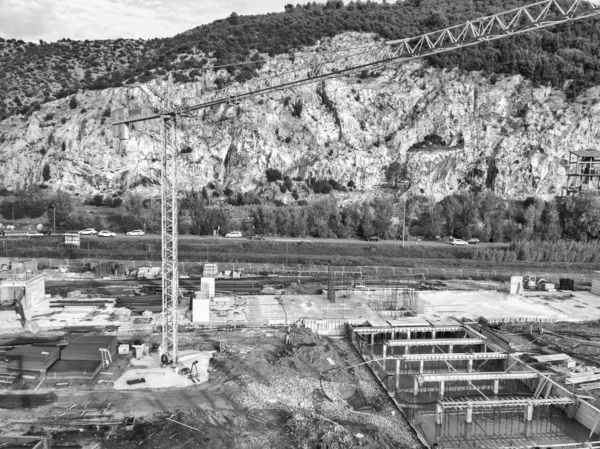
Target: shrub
[
  {"x": 73, "y": 102},
  {"x": 273, "y": 175}
]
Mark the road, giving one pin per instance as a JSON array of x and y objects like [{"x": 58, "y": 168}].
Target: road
[{"x": 155, "y": 238}]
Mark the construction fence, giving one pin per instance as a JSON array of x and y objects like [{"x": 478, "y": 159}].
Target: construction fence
[{"x": 265, "y": 269}]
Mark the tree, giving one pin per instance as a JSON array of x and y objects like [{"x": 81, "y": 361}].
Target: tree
[
  {"x": 63, "y": 208},
  {"x": 46, "y": 173},
  {"x": 394, "y": 174},
  {"x": 551, "y": 228},
  {"x": 73, "y": 102}
]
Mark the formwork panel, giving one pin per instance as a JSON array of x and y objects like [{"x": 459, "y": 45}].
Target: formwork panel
[
  {"x": 90, "y": 352},
  {"x": 32, "y": 358},
  {"x": 74, "y": 369}
]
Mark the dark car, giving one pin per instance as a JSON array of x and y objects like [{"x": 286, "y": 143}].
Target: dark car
[
  {"x": 473, "y": 241},
  {"x": 257, "y": 237},
  {"x": 373, "y": 239}
]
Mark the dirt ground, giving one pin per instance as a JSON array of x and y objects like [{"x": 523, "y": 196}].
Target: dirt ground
[{"x": 262, "y": 393}]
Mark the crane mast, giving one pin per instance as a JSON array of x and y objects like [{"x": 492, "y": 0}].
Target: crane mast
[{"x": 311, "y": 69}]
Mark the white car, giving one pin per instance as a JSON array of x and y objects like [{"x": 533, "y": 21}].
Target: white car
[
  {"x": 136, "y": 232},
  {"x": 234, "y": 235},
  {"x": 106, "y": 233},
  {"x": 88, "y": 231},
  {"x": 459, "y": 242}
]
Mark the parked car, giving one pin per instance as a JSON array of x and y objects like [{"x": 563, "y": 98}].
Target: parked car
[
  {"x": 473, "y": 241},
  {"x": 10, "y": 228},
  {"x": 136, "y": 232},
  {"x": 459, "y": 242},
  {"x": 373, "y": 239},
  {"x": 34, "y": 233},
  {"x": 257, "y": 237},
  {"x": 234, "y": 235},
  {"x": 105, "y": 233},
  {"x": 88, "y": 231}
]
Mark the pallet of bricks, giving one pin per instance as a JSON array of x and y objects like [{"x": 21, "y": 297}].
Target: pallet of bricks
[{"x": 34, "y": 358}]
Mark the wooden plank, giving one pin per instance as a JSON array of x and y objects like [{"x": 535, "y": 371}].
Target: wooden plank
[
  {"x": 575, "y": 380},
  {"x": 551, "y": 358}
]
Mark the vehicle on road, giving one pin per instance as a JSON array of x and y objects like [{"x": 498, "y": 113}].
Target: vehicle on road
[
  {"x": 234, "y": 235},
  {"x": 257, "y": 237},
  {"x": 34, "y": 233},
  {"x": 9, "y": 227},
  {"x": 88, "y": 231},
  {"x": 105, "y": 233},
  {"x": 373, "y": 239},
  {"x": 473, "y": 241},
  {"x": 136, "y": 232},
  {"x": 459, "y": 242}
]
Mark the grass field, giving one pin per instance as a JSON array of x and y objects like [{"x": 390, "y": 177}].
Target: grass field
[{"x": 292, "y": 253}]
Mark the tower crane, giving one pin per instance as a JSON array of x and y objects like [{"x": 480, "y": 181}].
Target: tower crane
[{"x": 310, "y": 68}]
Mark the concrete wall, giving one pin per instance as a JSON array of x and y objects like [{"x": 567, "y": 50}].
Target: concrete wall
[
  {"x": 35, "y": 290},
  {"x": 586, "y": 413}
]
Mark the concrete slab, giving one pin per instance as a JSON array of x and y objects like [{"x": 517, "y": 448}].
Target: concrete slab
[
  {"x": 580, "y": 306},
  {"x": 155, "y": 377}
]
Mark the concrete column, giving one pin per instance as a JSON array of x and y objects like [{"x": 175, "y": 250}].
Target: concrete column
[
  {"x": 484, "y": 348},
  {"x": 372, "y": 336},
  {"x": 384, "y": 351},
  {"x": 450, "y": 349},
  {"x": 439, "y": 414},
  {"x": 528, "y": 428},
  {"x": 421, "y": 366},
  {"x": 529, "y": 412},
  {"x": 416, "y": 387},
  {"x": 397, "y": 374},
  {"x": 393, "y": 335},
  {"x": 470, "y": 366},
  {"x": 408, "y": 335},
  {"x": 406, "y": 350},
  {"x": 469, "y": 417},
  {"x": 433, "y": 349},
  {"x": 442, "y": 387},
  {"x": 496, "y": 386},
  {"x": 433, "y": 335}
]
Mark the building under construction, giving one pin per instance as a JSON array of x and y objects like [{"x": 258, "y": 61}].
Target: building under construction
[{"x": 583, "y": 172}]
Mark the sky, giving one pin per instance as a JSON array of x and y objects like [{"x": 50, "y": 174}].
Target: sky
[{"x": 51, "y": 20}]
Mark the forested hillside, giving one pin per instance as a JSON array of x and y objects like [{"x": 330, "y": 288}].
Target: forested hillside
[{"x": 35, "y": 73}]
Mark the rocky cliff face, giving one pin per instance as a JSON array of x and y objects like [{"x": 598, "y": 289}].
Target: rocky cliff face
[{"x": 502, "y": 134}]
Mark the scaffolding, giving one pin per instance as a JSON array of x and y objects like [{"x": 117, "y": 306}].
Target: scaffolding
[{"x": 583, "y": 172}]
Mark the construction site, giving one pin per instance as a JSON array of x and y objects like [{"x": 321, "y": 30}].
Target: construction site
[
  {"x": 109, "y": 355},
  {"x": 301, "y": 360}
]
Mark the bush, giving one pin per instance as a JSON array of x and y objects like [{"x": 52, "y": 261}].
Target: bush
[
  {"x": 97, "y": 200},
  {"x": 273, "y": 175},
  {"x": 73, "y": 102}
]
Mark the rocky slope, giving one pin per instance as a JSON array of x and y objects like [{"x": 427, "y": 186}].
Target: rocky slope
[{"x": 501, "y": 133}]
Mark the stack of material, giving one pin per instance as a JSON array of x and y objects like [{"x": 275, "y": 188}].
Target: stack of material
[
  {"x": 139, "y": 304},
  {"x": 81, "y": 302},
  {"x": 74, "y": 369},
  {"x": 32, "y": 358},
  {"x": 238, "y": 287},
  {"x": 88, "y": 348}
]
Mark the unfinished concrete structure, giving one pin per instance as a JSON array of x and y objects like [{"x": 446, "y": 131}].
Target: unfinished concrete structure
[
  {"x": 23, "y": 280},
  {"x": 458, "y": 384},
  {"x": 583, "y": 172}
]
